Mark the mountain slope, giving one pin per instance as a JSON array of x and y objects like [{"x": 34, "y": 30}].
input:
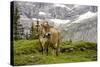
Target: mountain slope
[
  {"x": 85, "y": 29},
  {"x": 76, "y": 22}
]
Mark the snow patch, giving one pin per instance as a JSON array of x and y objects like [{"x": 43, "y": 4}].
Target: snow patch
[
  {"x": 57, "y": 22},
  {"x": 62, "y": 6},
  {"x": 42, "y": 13},
  {"x": 34, "y": 19},
  {"x": 85, "y": 16},
  {"x": 59, "y": 5}
]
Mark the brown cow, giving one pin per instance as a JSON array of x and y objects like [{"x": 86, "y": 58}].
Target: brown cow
[
  {"x": 52, "y": 35},
  {"x": 48, "y": 36}
]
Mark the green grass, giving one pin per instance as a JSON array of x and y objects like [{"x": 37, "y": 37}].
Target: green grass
[
  {"x": 80, "y": 45},
  {"x": 27, "y": 52}
]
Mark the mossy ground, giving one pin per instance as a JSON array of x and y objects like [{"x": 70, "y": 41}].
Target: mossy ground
[{"x": 28, "y": 52}]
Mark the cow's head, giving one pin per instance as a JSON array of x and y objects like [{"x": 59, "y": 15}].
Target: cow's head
[
  {"x": 45, "y": 24},
  {"x": 41, "y": 28},
  {"x": 38, "y": 28},
  {"x": 45, "y": 29}
]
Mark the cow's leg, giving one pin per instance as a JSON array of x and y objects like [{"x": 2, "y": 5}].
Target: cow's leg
[
  {"x": 47, "y": 46},
  {"x": 57, "y": 49},
  {"x": 47, "y": 49},
  {"x": 42, "y": 50},
  {"x": 53, "y": 52},
  {"x": 41, "y": 45},
  {"x": 54, "y": 48}
]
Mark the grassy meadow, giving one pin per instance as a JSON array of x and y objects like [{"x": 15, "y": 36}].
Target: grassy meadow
[{"x": 28, "y": 52}]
